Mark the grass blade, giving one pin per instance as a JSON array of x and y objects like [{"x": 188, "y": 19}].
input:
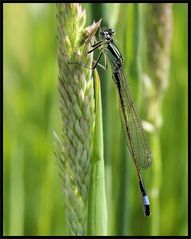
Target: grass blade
[{"x": 97, "y": 209}]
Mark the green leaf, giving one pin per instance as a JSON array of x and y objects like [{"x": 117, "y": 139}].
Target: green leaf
[{"x": 97, "y": 208}]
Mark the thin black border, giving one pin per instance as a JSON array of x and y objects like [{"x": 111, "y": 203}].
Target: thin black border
[
  {"x": 189, "y": 146},
  {"x": 1, "y": 65},
  {"x": 189, "y": 129},
  {"x": 99, "y": 1}
]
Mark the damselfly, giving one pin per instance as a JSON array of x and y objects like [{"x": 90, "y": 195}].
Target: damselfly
[{"x": 130, "y": 119}]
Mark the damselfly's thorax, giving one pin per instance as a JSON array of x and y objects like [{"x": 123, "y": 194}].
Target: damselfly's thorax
[{"x": 114, "y": 56}]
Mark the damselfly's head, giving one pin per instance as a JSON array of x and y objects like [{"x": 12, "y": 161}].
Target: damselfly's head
[{"x": 106, "y": 34}]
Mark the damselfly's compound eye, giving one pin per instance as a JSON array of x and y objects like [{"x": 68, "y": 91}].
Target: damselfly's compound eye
[
  {"x": 111, "y": 32},
  {"x": 104, "y": 34}
]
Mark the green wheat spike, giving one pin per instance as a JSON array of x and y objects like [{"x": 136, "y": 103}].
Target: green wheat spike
[{"x": 76, "y": 98}]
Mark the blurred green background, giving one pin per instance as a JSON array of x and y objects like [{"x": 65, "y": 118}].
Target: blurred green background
[{"x": 32, "y": 194}]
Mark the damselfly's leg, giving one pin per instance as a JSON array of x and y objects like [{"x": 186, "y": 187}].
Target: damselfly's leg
[
  {"x": 97, "y": 43},
  {"x": 95, "y": 46},
  {"x": 97, "y": 61}
]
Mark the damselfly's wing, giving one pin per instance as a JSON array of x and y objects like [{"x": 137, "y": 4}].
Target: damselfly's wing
[{"x": 132, "y": 125}]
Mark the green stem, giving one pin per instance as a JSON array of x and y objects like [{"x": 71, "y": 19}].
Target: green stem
[{"x": 156, "y": 182}]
